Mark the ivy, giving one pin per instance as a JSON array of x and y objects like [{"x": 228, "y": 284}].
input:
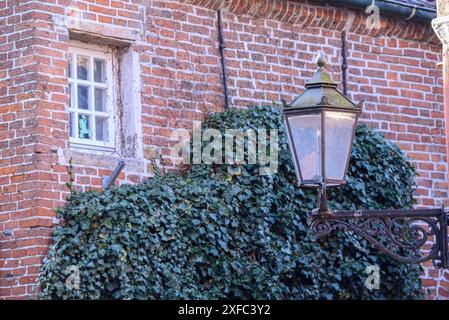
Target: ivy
[{"x": 210, "y": 234}]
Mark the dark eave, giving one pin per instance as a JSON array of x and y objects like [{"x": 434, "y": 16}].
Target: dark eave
[{"x": 406, "y": 10}]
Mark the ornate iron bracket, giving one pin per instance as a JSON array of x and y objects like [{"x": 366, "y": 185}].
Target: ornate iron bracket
[{"x": 406, "y": 235}]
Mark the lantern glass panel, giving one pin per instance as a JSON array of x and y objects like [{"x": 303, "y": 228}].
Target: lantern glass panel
[
  {"x": 339, "y": 127},
  {"x": 306, "y": 137}
]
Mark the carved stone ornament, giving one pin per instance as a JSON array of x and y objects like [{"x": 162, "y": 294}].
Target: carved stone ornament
[{"x": 441, "y": 27}]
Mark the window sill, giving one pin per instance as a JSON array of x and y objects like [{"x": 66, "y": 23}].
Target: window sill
[
  {"x": 101, "y": 159},
  {"x": 82, "y": 147}
]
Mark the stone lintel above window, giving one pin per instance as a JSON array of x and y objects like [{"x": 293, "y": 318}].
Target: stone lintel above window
[{"x": 101, "y": 34}]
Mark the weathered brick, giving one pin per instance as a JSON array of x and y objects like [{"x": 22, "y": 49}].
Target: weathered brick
[{"x": 269, "y": 53}]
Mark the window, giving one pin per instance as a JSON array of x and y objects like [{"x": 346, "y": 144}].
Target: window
[{"x": 91, "y": 102}]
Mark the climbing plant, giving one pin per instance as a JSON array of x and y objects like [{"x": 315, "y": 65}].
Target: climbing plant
[{"x": 225, "y": 231}]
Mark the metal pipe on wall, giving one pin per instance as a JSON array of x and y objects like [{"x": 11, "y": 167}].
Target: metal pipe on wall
[
  {"x": 344, "y": 62},
  {"x": 221, "y": 47}
]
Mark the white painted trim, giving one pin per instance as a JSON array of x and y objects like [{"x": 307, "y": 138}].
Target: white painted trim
[
  {"x": 76, "y": 145},
  {"x": 93, "y": 52}
]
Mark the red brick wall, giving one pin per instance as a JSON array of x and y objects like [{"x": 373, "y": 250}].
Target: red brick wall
[
  {"x": 22, "y": 251},
  {"x": 270, "y": 48}
]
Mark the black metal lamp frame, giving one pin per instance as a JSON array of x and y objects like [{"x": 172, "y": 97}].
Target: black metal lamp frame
[{"x": 406, "y": 235}]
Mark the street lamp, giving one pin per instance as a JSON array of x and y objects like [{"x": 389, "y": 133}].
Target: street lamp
[{"x": 320, "y": 126}]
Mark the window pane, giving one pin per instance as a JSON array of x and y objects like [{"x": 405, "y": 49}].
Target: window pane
[
  {"x": 101, "y": 129},
  {"x": 84, "y": 127},
  {"x": 83, "y": 67},
  {"x": 89, "y": 104},
  {"x": 70, "y": 73},
  {"x": 72, "y": 125},
  {"x": 100, "y": 100},
  {"x": 339, "y": 128},
  {"x": 83, "y": 97},
  {"x": 99, "y": 71},
  {"x": 306, "y": 136}
]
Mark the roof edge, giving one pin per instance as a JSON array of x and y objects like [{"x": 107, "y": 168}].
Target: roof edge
[{"x": 406, "y": 11}]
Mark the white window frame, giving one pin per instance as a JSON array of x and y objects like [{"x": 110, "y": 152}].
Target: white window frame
[{"x": 93, "y": 52}]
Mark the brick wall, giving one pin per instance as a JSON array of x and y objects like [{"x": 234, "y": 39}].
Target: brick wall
[
  {"x": 24, "y": 238},
  {"x": 270, "y": 46}
]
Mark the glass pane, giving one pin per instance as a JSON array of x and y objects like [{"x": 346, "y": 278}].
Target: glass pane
[
  {"x": 99, "y": 71},
  {"x": 70, "y": 73},
  {"x": 72, "y": 125},
  {"x": 101, "y": 129},
  {"x": 82, "y": 68},
  {"x": 100, "y": 100},
  {"x": 83, "y": 97},
  {"x": 339, "y": 128},
  {"x": 84, "y": 127},
  {"x": 306, "y": 138}
]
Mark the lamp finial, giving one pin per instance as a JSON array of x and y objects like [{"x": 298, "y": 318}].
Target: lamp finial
[{"x": 321, "y": 60}]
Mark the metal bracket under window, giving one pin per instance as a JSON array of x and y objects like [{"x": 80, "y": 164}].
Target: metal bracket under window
[{"x": 108, "y": 181}]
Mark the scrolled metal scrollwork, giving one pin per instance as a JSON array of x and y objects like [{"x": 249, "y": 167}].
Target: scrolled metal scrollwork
[{"x": 404, "y": 235}]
